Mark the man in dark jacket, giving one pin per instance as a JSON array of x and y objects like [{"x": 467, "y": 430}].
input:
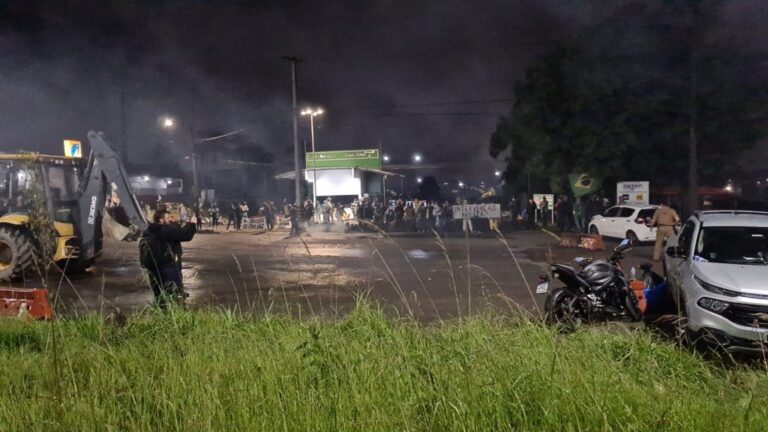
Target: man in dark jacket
[{"x": 160, "y": 252}]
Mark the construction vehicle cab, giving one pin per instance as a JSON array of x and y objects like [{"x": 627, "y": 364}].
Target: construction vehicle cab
[{"x": 75, "y": 195}]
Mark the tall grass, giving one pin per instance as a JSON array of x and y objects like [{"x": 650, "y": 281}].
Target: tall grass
[{"x": 215, "y": 370}]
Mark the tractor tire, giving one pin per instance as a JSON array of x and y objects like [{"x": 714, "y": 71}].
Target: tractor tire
[{"x": 18, "y": 253}]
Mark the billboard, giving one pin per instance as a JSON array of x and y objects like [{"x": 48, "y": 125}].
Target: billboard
[
  {"x": 483, "y": 211},
  {"x": 344, "y": 159},
  {"x": 637, "y": 192},
  {"x": 73, "y": 149}
]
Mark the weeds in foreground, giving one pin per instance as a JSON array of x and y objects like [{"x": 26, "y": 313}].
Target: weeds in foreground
[{"x": 209, "y": 370}]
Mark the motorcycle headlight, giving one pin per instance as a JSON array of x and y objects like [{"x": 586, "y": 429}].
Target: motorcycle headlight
[
  {"x": 715, "y": 289},
  {"x": 713, "y": 305}
]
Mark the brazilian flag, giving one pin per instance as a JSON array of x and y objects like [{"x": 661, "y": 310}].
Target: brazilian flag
[{"x": 583, "y": 184}]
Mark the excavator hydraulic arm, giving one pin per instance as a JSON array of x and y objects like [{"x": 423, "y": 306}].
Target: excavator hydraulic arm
[{"x": 104, "y": 175}]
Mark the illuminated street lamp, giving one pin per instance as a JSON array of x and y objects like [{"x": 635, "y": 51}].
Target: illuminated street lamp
[
  {"x": 169, "y": 123},
  {"x": 461, "y": 184},
  {"x": 312, "y": 113},
  {"x": 497, "y": 173},
  {"x": 418, "y": 180},
  {"x": 417, "y": 158},
  {"x": 386, "y": 158}
]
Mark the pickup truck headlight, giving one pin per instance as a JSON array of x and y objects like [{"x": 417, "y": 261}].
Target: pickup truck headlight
[
  {"x": 713, "y": 305},
  {"x": 716, "y": 289}
]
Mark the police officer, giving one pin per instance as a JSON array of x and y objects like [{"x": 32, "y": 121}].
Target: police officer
[{"x": 664, "y": 219}]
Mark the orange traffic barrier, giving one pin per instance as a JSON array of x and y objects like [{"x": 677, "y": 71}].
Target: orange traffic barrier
[{"x": 23, "y": 301}]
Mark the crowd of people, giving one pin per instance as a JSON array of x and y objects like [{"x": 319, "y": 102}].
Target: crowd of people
[{"x": 567, "y": 214}]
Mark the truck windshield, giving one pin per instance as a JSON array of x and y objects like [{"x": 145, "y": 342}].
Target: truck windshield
[{"x": 733, "y": 245}]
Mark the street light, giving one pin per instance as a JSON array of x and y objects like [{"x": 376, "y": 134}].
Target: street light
[
  {"x": 461, "y": 184},
  {"x": 312, "y": 113},
  {"x": 497, "y": 173},
  {"x": 386, "y": 158},
  {"x": 417, "y": 157},
  {"x": 169, "y": 123},
  {"x": 418, "y": 180}
]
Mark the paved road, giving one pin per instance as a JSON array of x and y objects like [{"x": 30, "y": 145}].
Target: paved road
[{"x": 324, "y": 272}]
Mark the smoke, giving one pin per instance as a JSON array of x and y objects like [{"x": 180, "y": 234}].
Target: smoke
[{"x": 413, "y": 76}]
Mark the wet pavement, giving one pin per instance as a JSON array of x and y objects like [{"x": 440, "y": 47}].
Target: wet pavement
[{"x": 325, "y": 272}]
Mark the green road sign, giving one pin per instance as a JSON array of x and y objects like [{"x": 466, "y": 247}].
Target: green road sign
[{"x": 345, "y": 159}]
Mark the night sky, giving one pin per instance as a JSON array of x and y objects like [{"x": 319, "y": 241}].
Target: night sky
[{"x": 427, "y": 76}]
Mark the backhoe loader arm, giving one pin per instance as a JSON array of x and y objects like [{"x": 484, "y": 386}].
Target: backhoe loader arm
[{"x": 104, "y": 175}]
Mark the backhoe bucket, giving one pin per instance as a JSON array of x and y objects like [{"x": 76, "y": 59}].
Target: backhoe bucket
[{"x": 20, "y": 302}]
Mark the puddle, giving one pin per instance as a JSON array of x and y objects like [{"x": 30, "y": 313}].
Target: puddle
[
  {"x": 330, "y": 252},
  {"x": 419, "y": 254}
]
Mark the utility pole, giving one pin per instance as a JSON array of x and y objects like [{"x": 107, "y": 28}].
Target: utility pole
[
  {"x": 296, "y": 151},
  {"x": 694, "y": 36},
  {"x": 195, "y": 188}
]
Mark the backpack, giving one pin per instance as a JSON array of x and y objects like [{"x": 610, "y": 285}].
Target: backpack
[{"x": 153, "y": 252}]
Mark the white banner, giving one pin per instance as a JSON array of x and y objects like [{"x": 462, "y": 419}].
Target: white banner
[
  {"x": 633, "y": 192},
  {"x": 484, "y": 211}
]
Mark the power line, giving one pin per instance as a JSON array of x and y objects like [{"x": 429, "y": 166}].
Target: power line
[
  {"x": 419, "y": 55},
  {"x": 493, "y": 101}
]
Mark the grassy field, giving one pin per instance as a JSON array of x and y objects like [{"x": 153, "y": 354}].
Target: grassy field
[{"x": 193, "y": 371}]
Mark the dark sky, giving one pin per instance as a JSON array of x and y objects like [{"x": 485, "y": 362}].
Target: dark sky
[{"x": 427, "y": 76}]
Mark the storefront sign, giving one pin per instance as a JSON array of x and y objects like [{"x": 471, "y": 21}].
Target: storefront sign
[
  {"x": 73, "y": 148},
  {"x": 633, "y": 192},
  {"x": 344, "y": 159}
]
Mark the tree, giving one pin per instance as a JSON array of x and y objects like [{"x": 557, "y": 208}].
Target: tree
[
  {"x": 637, "y": 97},
  {"x": 429, "y": 189}
]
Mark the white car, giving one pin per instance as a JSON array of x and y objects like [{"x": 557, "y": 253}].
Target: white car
[
  {"x": 625, "y": 221},
  {"x": 717, "y": 270}
]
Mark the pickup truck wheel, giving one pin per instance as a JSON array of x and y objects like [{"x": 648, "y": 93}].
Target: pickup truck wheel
[{"x": 17, "y": 253}]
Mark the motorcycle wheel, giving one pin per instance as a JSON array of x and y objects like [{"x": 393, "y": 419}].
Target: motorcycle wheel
[
  {"x": 563, "y": 307},
  {"x": 632, "y": 312}
]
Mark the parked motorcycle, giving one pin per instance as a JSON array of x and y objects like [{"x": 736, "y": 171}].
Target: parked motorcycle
[{"x": 594, "y": 290}]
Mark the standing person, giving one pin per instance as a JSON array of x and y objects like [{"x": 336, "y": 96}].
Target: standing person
[
  {"x": 439, "y": 218},
  {"x": 564, "y": 214},
  {"x": 286, "y": 209},
  {"x": 447, "y": 216},
  {"x": 160, "y": 254},
  {"x": 421, "y": 217},
  {"x": 430, "y": 216},
  {"x": 214, "y": 216},
  {"x": 578, "y": 215},
  {"x": 664, "y": 219},
  {"x": 544, "y": 206},
  {"x": 399, "y": 215},
  {"x": 293, "y": 216},
  {"x": 242, "y": 211},
  {"x": 466, "y": 224},
  {"x": 232, "y": 216},
  {"x": 269, "y": 216},
  {"x": 410, "y": 217},
  {"x": 309, "y": 211},
  {"x": 198, "y": 218},
  {"x": 530, "y": 219}
]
